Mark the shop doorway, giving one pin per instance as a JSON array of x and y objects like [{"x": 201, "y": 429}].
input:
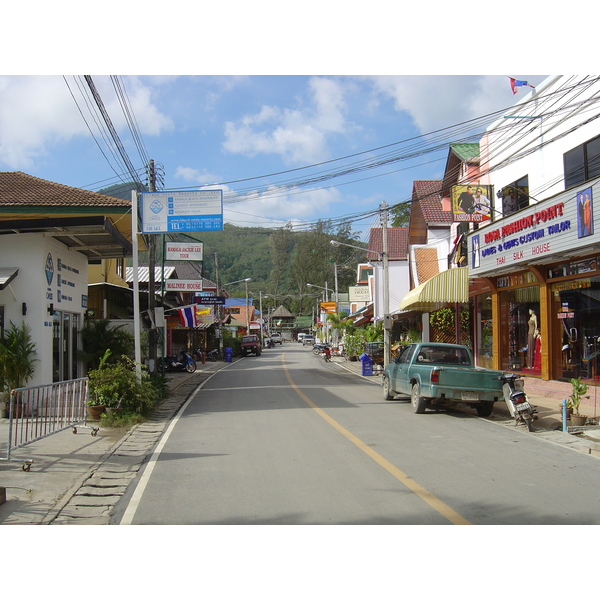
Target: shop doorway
[
  {"x": 576, "y": 312},
  {"x": 65, "y": 345}
]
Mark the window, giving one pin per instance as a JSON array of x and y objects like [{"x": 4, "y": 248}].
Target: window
[
  {"x": 582, "y": 163},
  {"x": 515, "y": 196}
]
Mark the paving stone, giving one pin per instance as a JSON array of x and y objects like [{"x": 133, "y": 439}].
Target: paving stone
[{"x": 99, "y": 501}]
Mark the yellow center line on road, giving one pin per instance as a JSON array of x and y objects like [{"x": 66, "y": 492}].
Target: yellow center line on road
[{"x": 402, "y": 477}]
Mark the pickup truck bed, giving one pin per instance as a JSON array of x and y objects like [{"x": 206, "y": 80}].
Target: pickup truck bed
[{"x": 441, "y": 374}]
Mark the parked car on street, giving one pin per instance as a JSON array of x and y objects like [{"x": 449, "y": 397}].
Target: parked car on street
[
  {"x": 250, "y": 344},
  {"x": 276, "y": 338}
]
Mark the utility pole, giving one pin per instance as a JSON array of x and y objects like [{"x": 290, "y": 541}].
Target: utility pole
[
  {"x": 152, "y": 335},
  {"x": 219, "y": 308},
  {"x": 387, "y": 321}
]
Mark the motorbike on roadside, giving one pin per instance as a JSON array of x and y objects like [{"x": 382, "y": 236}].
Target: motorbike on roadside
[
  {"x": 516, "y": 400},
  {"x": 212, "y": 355},
  {"x": 182, "y": 362},
  {"x": 318, "y": 348}
]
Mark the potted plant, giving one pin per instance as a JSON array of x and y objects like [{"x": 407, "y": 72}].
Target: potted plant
[
  {"x": 16, "y": 361},
  {"x": 578, "y": 391}
]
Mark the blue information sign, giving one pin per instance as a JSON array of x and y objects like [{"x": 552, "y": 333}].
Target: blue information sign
[{"x": 182, "y": 211}]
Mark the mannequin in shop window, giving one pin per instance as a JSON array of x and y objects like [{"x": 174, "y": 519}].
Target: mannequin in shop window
[{"x": 532, "y": 328}]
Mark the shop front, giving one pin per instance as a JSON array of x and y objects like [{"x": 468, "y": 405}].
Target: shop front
[{"x": 540, "y": 314}]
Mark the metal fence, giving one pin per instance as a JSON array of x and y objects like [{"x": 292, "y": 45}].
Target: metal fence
[{"x": 37, "y": 412}]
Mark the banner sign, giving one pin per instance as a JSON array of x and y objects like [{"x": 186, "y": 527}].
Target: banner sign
[
  {"x": 210, "y": 300},
  {"x": 359, "y": 293},
  {"x": 183, "y": 285},
  {"x": 544, "y": 232},
  {"x": 328, "y": 307},
  {"x": 181, "y": 212},
  {"x": 174, "y": 251},
  {"x": 471, "y": 202}
]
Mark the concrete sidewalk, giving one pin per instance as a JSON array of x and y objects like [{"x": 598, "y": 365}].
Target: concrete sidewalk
[{"x": 77, "y": 479}]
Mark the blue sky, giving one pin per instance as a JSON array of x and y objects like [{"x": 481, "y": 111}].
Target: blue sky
[
  {"x": 219, "y": 129},
  {"x": 238, "y": 91}
]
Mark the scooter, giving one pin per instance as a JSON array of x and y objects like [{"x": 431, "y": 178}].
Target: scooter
[
  {"x": 516, "y": 400},
  {"x": 182, "y": 362}
]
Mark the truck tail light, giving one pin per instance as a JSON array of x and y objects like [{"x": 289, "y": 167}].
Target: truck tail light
[{"x": 435, "y": 375}]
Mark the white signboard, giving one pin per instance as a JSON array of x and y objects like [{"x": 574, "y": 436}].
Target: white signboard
[
  {"x": 359, "y": 293},
  {"x": 542, "y": 232},
  {"x": 182, "y": 211},
  {"x": 183, "y": 285},
  {"x": 191, "y": 252}
]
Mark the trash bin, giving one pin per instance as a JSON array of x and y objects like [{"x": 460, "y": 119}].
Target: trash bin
[
  {"x": 228, "y": 354},
  {"x": 367, "y": 365}
]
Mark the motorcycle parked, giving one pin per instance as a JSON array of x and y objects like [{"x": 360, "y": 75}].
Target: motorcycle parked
[
  {"x": 182, "y": 362},
  {"x": 318, "y": 348},
  {"x": 516, "y": 400},
  {"x": 212, "y": 355}
]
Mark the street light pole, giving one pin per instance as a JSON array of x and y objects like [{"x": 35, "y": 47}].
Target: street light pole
[{"x": 383, "y": 257}]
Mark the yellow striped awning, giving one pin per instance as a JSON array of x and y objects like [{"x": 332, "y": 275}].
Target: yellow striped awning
[{"x": 450, "y": 286}]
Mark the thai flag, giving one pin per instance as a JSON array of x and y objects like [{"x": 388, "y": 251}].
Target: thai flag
[
  {"x": 515, "y": 83},
  {"x": 187, "y": 315}
]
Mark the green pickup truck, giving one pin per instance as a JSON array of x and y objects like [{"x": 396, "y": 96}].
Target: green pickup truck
[{"x": 436, "y": 375}]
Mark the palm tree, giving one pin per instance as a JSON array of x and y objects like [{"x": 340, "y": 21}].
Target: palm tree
[{"x": 16, "y": 357}]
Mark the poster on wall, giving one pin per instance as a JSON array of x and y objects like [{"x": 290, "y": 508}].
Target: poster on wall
[
  {"x": 585, "y": 213},
  {"x": 471, "y": 202}
]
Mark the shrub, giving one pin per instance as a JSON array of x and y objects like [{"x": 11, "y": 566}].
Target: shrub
[{"x": 117, "y": 386}]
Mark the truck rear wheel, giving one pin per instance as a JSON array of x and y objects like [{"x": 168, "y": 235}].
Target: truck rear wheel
[
  {"x": 485, "y": 409},
  {"x": 418, "y": 402}
]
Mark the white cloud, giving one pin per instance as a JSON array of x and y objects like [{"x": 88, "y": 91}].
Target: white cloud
[
  {"x": 194, "y": 175},
  {"x": 273, "y": 207},
  {"x": 298, "y": 135},
  {"x": 37, "y": 113},
  {"x": 438, "y": 101}
]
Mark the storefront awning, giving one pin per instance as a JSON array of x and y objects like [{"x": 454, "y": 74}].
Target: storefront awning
[
  {"x": 449, "y": 287},
  {"x": 7, "y": 274}
]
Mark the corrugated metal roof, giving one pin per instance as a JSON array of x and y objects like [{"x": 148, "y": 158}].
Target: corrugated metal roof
[
  {"x": 450, "y": 286},
  {"x": 144, "y": 273}
]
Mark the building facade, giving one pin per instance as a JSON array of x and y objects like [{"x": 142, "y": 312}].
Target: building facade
[{"x": 535, "y": 279}]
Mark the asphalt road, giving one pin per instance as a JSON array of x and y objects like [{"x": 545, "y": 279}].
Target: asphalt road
[{"x": 286, "y": 438}]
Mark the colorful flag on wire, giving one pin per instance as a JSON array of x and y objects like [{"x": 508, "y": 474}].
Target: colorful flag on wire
[
  {"x": 515, "y": 83},
  {"x": 187, "y": 314}
]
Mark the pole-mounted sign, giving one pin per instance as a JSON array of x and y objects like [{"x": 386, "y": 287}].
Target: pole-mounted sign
[{"x": 181, "y": 211}]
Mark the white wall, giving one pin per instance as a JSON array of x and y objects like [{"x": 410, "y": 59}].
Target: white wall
[
  {"x": 65, "y": 287},
  {"x": 556, "y": 110}
]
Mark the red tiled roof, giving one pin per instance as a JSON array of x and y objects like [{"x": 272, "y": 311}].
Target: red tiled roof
[
  {"x": 428, "y": 195},
  {"x": 397, "y": 241},
  {"x": 21, "y": 190}
]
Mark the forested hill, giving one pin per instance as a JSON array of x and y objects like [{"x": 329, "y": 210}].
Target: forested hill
[{"x": 280, "y": 262}]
